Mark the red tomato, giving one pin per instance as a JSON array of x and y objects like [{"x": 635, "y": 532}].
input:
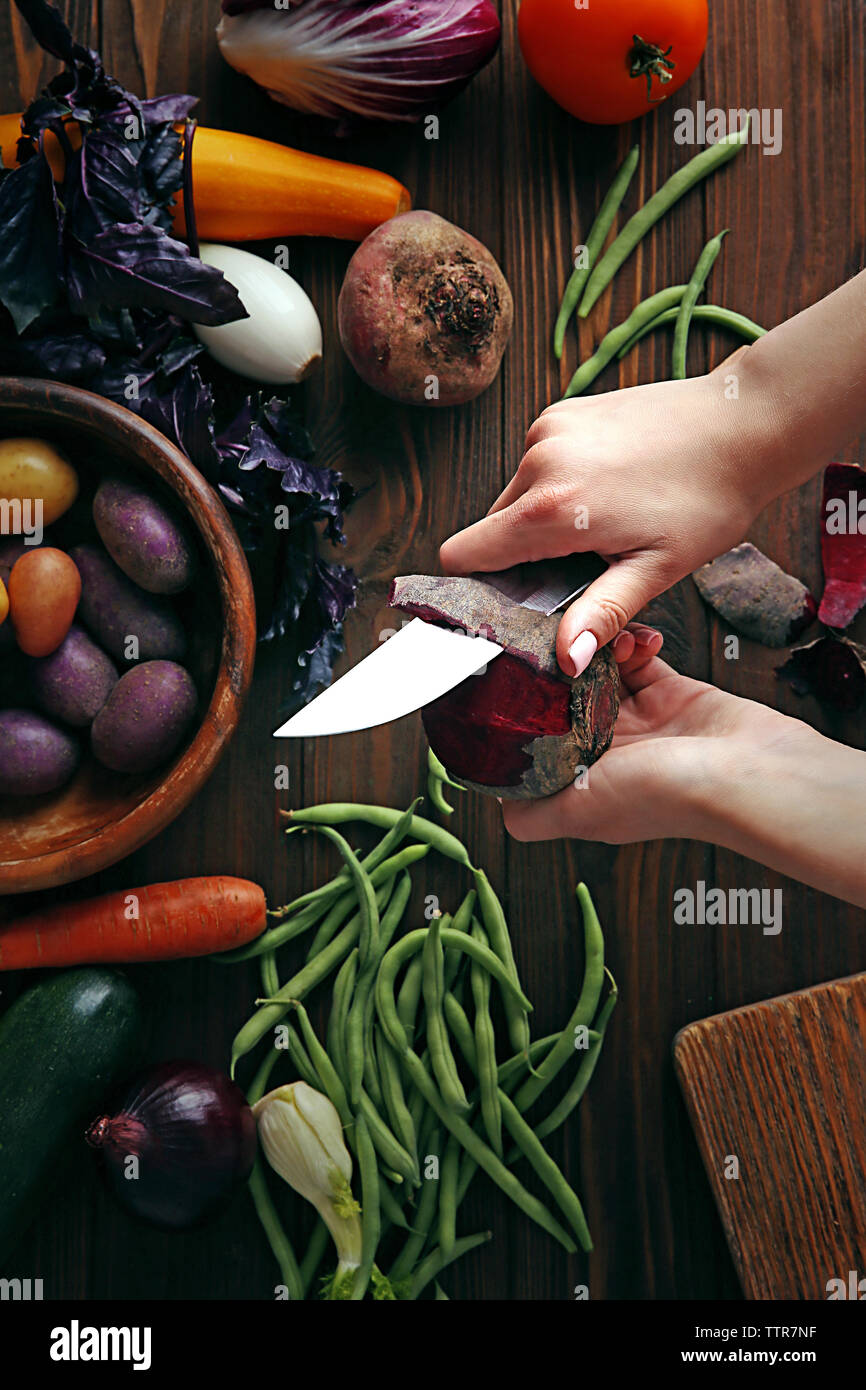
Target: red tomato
[{"x": 596, "y": 61}]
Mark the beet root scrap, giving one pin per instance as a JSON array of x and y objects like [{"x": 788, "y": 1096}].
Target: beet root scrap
[
  {"x": 832, "y": 669},
  {"x": 843, "y": 544},
  {"x": 424, "y": 312},
  {"x": 522, "y": 729},
  {"x": 756, "y": 596}
]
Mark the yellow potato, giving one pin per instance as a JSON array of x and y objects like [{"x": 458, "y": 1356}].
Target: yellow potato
[
  {"x": 4, "y": 602},
  {"x": 33, "y": 469}
]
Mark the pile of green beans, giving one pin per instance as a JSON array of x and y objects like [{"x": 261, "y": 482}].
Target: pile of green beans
[
  {"x": 411, "y": 1053},
  {"x": 678, "y": 304}
]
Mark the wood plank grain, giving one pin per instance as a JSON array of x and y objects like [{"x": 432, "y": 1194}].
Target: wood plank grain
[{"x": 780, "y": 1087}]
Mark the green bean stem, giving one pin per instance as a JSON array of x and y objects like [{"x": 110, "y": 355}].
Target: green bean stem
[
  {"x": 713, "y": 314},
  {"x": 594, "y": 242},
  {"x": 694, "y": 288},
  {"x": 370, "y": 1210},
  {"x": 496, "y": 926},
  {"x": 584, "y": 1011},
  {"x": 655, "y": 207},
  {"x": 613, "y": 341},
  {"x": 339, "y": 812}
]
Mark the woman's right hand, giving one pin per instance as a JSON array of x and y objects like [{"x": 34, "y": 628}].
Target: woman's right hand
[{"x": 656, "y": 479}]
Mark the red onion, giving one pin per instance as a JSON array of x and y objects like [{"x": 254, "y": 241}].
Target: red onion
[
  {"x": 193, "y": 1136},
  {"x": 395, "y": 60}
]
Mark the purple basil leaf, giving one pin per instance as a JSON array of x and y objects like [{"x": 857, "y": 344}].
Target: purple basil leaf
[
  {"x": 140, "y": 267},
  {"x": 70, "y": 357},
  {"x": 29, "y": 245},
  {"x": 49, "y": 30},
  {"x": 161, "y": 172},
  {"x": 169, "y": 109}
]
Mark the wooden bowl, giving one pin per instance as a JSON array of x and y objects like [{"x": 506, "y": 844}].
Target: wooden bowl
[{"x": 100, "y": 816}]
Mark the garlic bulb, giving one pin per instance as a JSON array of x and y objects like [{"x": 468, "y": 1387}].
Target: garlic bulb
[{"x": 281, "y": 341}]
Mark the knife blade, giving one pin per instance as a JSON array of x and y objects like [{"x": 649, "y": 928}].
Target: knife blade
[
  {"x": 417, "y": 665},
  {"x": 423, "y": 661}
]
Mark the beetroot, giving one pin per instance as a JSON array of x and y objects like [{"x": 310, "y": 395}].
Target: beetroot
[
  {"x": 843, "y": 544},
  {"x": 425, "y": 312},
  {"x": 756, "y": 596},
  {"x": 523, "y": 728}
]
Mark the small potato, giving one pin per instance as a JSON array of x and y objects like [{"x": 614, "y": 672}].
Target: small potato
[
  {"x": 35, "y": 756},
  {"x": 4, "y": 603},
  {"x": 142, "y": 537},
  {"x": 31, "y": 470},
  {"x": 115, "y": 611},
  {"x": 145, "y": 717},
  {"x": 73, "y": 683},
  {"x": 44, "y": 589}
]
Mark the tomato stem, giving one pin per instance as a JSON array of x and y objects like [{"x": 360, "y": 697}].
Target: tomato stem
[{"x": 648, "y": 60}]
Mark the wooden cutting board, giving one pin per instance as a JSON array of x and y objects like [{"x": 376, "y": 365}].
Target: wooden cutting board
[{"x": 776, "y": 1092}]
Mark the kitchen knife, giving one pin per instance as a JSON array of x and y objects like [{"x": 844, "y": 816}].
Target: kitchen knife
[{"x": 423, "y": 661}]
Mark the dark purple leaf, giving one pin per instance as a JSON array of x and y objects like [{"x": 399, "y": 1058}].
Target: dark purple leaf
[
  {"x": 135, "y": 266},
  {"x": 29, "y": 245},
  {"x": 168, "y": 109},
  {"x": 49, "y": 30},
  {"x": 71, "y": 357}
]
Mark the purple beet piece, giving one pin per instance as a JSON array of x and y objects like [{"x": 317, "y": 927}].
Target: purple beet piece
[{"x": 756, "y": 596}]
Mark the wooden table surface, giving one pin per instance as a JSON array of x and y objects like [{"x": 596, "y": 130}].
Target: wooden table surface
[{"x": 525, "y": 178}]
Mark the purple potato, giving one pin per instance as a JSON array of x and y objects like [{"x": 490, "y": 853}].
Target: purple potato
[
  {"x": 114, "y": 609},
  {"x": 142, "y": 538},
  {"x": 35, "y": 756},
  {"x": 145, "y": 717},
  {"x": 74, "y": 682}
]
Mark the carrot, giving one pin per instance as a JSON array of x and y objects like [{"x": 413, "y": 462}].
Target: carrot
[
  {"x": 165, "y": 921},
  {"x": 248, "y": 189}
]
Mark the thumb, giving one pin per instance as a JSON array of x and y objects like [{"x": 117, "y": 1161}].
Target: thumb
[{"x": 607, "y": 605}]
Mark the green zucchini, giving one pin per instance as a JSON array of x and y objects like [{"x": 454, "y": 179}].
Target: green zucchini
[{"x": 63, "y": 1045}]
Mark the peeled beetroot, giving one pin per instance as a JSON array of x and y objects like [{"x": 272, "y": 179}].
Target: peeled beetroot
[{"x": 523, "y": 728}]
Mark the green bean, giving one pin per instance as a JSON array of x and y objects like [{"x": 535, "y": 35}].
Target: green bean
[
  {"x": 318, "y": 1244},
  {"x": 387, "y": 1145},
  {"x": 338, "y": 813},
  {"x": 370, "y": 1074},
  {"x": 435, "y": 783},
  {"x": 298, "y": 987},
  {"x": 694, "y": 289},
  {"x": 439, "y": 1294},
  {"x": 424, "y": 1214},
  {"x": 273, "y": 1229},
  {"x": 713, "y": 314},
  {"x": 268, "y": 973},
  {"x": 383, "y": 879},
  {"x": 370, "y": 1211},
  {"x": 259, "y": 1084},
  {"x": 303, "y": 1063},
  {"x": 391, "y": 1210},
  {"x": 448, "y": 1176},
  {"x": 369, "y": 933},
  {"x": 275, "y": 936},
  {"x": 458, "y": 1021},
  {"x": 551, "y": 1175},
  {"x": 485, "y": 1049},
  {"x": 342, "y": 993},
  {"x": 392, "y": 1090},
  {"x": 413, "y": 941},
  {"x": 482, "y": 1153},
  {"x": 583, "y": 1076},
  {"x": 584, "y": 1010},
  {"x": 436, "y": 1261},
  {"x": 355, "y": 1021},
  {"x": 441, "y": 1056},
  {"x": 655, "y": 207},
  {"x": 594, "y": 242},
  {"x": 329, "y": 1079},
  {"x": 461, "y": 921},
  {"x": 409, "y": 996},
  {"x": 613, "y": 341},
  {"x": 496, "y": 926}
]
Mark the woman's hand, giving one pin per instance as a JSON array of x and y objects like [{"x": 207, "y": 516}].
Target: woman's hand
[
  {"x": 648, "y": 477},
  {"x": 688, "y": 760}
]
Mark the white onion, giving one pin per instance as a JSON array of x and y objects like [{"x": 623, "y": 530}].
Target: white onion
[
  {"x": 281, "y": 341},
  {"x": 384, "y": 60}
]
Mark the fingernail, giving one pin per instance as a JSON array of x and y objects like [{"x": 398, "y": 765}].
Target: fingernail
[
  {"x": 620, "y": 643},
  {"x": 644, "y": 635},
  {"x": 581, "y": 651}
]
